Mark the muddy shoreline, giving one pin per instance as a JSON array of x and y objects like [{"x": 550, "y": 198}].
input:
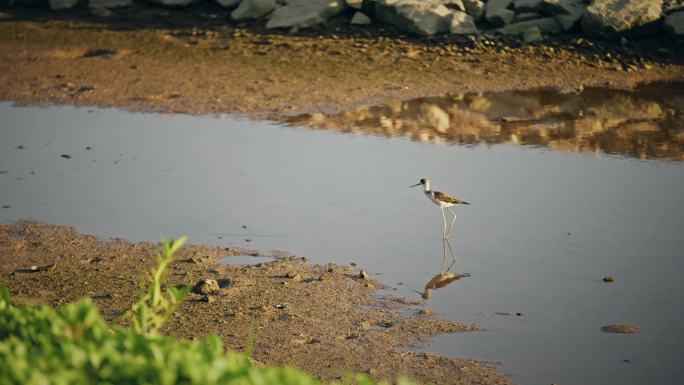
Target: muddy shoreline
[
  {"x": 195, "y": 62},
  {"x": 325, "y": 319}
]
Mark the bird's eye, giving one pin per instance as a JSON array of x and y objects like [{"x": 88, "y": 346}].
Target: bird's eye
[{"x": 422, "y": 181}]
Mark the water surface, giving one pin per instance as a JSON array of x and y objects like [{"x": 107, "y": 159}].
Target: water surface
[
  {"x": 543, "y": 228},
  {"x": 645, "y": 123}
]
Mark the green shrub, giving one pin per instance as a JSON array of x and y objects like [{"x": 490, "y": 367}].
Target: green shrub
[{"x": 73, "y": 345}]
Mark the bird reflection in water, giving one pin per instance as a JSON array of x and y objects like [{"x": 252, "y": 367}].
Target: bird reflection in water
[{"x": 439, "y": 281}]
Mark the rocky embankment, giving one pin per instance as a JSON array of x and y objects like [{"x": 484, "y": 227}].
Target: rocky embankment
[{"x": 529, "y": 20}]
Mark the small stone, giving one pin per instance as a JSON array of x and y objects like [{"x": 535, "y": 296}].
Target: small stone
[
  {"x": 281, "y": 306},
  {"x": 208, "y": 299},
  {"x": 620, "y": 328},
  {"x": 426, "y": 312},
  {"x": 362, "y": 275},
  {"x": 66, "y": 156},
  {"x": 206, "y": 286},
  {"x": 34, "y": 268},
  {"x": 608, "y": 279},
  {"x": 294, "y": 276}
]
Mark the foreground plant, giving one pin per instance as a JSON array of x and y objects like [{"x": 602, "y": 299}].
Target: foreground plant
[
  {"x": 155, "y": 307},
  {"x": 73, "y": 345}
]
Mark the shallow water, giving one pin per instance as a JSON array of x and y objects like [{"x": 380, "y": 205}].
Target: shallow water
[{"x": 543, "y": 228}]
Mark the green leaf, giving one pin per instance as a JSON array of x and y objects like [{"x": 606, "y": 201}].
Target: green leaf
[{"x": 4, "y": 297}]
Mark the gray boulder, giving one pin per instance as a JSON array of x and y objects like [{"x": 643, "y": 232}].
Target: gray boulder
[
  {"x": 253, "y": 9},
  {"x": 670, "y": 6},
  {"x": 100, "y": 12},
  {"x": 674, "y": 24},
  {"x": 497, "y": 12},
  {"x": 454, "y": 4},
  {"x": 615, "y": 18},
  {"x": 474, "y": 8},
  {"x": 28, "y": 3},
  {"x": 546, "y": 25},
  {"x": 356, "y": 4},
  {"x": 414, "y": 16},
  {"x": 174, "y": 3},
  {"x": 526, "y": 16},
  {"x": 62, "y": 4},
  {"x": 462, "y": 24},
  {"x": 109, "y": 3},
  {"x": 532, "y": 35},
  {"x": 228, "y": 3},
  {"x": 305, "y": 13},
  {"x": 527, "y": 5},
  {"x": 567, "y": 12}
]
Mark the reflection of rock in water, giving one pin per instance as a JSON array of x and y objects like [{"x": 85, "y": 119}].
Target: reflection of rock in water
[
  {"x": 439, "y": 281},
  {"x": 647, "y": 123}
]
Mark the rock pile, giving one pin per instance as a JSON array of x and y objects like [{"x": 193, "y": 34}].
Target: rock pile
[{"x": 529, "y": 19}]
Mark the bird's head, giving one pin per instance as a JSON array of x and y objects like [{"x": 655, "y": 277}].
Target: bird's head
[{"x": 422, "y": 182}]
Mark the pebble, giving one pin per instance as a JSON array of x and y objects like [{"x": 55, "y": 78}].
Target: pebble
[
  {"x": 362, "y": 275},
  {"x": 294, "y": 276},
  {"x": 608, "y": 279},
  {"x": 206, "y": 286}
]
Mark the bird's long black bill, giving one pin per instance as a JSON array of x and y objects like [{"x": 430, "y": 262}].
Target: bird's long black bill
[{"x": 418, "y": 184}]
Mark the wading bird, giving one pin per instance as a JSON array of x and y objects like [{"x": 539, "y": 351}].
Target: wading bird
[{"x": 442, "y": 200}]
